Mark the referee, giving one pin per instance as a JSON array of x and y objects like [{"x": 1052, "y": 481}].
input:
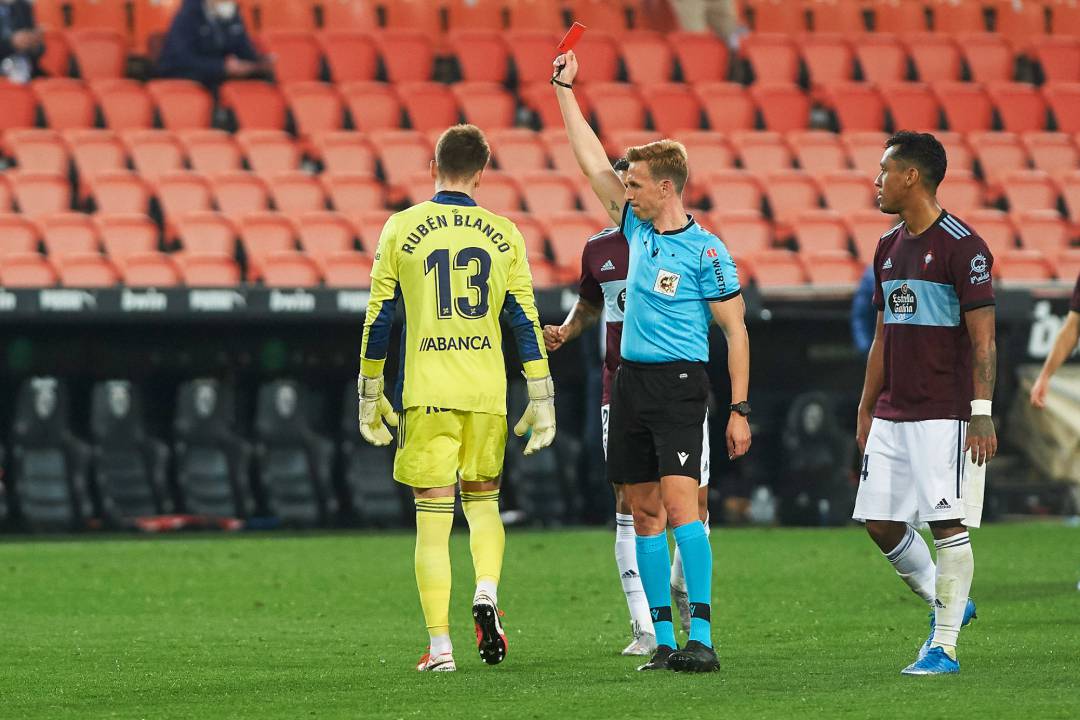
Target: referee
[{"x": 680, "y": 277}]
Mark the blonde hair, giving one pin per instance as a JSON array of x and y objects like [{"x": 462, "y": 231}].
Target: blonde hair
[
  {"x": 666, "y": 160},
  {"x": 462, "y": 151}
]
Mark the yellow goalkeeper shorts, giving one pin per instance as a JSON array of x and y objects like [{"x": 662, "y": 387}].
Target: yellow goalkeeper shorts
[{"x": 437, "y": 447}]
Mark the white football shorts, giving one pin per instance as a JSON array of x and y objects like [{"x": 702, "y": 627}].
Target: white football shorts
[{"x": 605, "y": 414}]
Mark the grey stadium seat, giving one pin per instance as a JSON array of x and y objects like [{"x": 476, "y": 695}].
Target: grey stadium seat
[{"x": 375, "y": 498}]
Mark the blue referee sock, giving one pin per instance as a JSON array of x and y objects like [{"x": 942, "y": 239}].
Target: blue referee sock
[
  {"x": 654, "y": 565},
  {"x": 697, "y": 566}
]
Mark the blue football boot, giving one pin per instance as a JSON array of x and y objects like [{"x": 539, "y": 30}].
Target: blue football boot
[
  {"x": 935, "y": 662},
  {"x": 969, "y": 615}
]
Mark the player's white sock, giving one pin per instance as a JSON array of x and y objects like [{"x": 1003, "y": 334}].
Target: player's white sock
[
  {"x": 486, "y": 589},
  {"x": 913, "y": 564},
  {"x": 440, "y": 644},
  {"x": 626, "y": 560},
  {"x": 678, "y": 579},
  {"x": 955, "y": 568}
]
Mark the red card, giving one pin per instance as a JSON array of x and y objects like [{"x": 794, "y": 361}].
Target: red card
[{"x": 571, "y": 37}]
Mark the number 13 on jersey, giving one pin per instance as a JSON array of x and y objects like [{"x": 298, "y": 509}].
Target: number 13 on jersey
[{"x": 475, "y": 264}]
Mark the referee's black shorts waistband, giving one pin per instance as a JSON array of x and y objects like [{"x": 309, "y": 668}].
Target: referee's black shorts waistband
[{"x": 674, "y": 365}]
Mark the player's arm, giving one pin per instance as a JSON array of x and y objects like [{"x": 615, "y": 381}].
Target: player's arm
[
  {"x": 520, "y": 310},
  {"x": 981, "y": 437},
  {"x": 583, "y": 315},
  {"x": 374, "y": 407},
  {"x": 588, "y": 149},
  {"x": 1065, "y": 343},
  {"x": 873, "y": 381},
  {"x": 729, "y": 315}
]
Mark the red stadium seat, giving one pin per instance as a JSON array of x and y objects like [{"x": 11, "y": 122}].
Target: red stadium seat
[
  {"x": 728, "y": 106},
  {"x": 957, "y": 16},
  {"x": 86, "y": 270},
  {"x": 993, "y": 226},
  {"x": 865, "y": 227},
  {"x": 558, "y": 149},
  {"x": 820, "y": 231},
  {"x": 998, "y": 153},
  {"x": 742, "y": 231},
  {"x": 401, "y": 153},
  {"x": 567, "y": 234},
  {"x": 847, "y": 191},
  {"x": 1043, "y": 230},
  {"x": 69, "y": 233},
  {"x": 517, "y": 150},
  {"x": 347, "y": 270},
  {"x": 370, "y": 223},
  {"x": 773, "y": 58},
  {"x": 345, "y": 151},
  {"x": 777, "y": 16},
  {"x": 20, "y": 106},
  {"x": 673, "y": 107},
  {"x": 548, "y": 276},
  {"x": 325, "y": 233},
  {"x": 293, "y": 15},
  {"x": 648, "y": 57},
  {"x": 269, "y": 151},
  {"x": 607, "y": 14},
  {"x": 1059, "y": 58},
  {"x": 734, "y": 190},
  {"x": 154, "y": 152},
  {"x": 706, "y": 152},
  {"x": 99, "y": 53},
  {"x": 211, "y": 151},
  {"x": 599, "y": 56},
  {"x": 298, "y": 57},
  {"x": 27, "y": 270},
  {"x": 51, "y": 13},
  {"x": 1067, "y": 263},
  {"x": 790, "y": 192},
  {"x": 536, "y": 14},
  {"x": 208, "y": 270},
  {"x": 374, "y": 106},
  {"x": 498, "y": 192},
  {"x": 149, "y": 269},
  {"x": 125, "y": 104},
  {"x": 351, "y": 55},
  {"x": 1064, "y": 101},
  {"x": 407, "y": 55},
  {"x": 988, "y": 57},
  {"x": 1053, "y": 152},
  {"x": 912, "y": 106},
  {"x": 858, "y": 106},
  {"x": 66, "y": 103},
  {"x": 482, "y": 54},
  {"x": 181, "y": 104},
  {"x": 474, "y": 14},
  {"x": 183, "y": 192},
  {"x": 702, "y": 56},
  {"x": 20, "y": 235},
  {"x": 828, "y": 58},
  {"x": 256, "y": 105},
  {"x": 417, "y": 15},
  {"x": 40, "y": 194},
  {"x": 960, "y": 192},
  {"x": 354, "y": 193},
  {"x": 1019, "y": 105},
  {"x": 837, "y": 16},
  {"x": 297, "y": 192},
  {"x": 882, "y": 58},
  {"x": 151, "y": 20},
  {"x": 206, "y": 232},
  {"x": 865, "y": 150},
  {"x": 238, "y": 193},
  {"x": 290, "y": 269},
  {"x": 431, "y": 105},
  {"x": 485, "y": 105},
  {"x": 7, "y": 195},
  {"x": 1070, "y": 192},
  {"x": 817, "y": 151},
  {"x": 777, "y": 269},
  {"x": 95, "y": 151},
  {"x": 126, "y": 235},
  {"x": 957, "y": 151},
  {"x": 616, "y": 106},
  {"x": 262, "y": 234},
  {"x": 99, "y": 14},
  {"x": 1023, "y": 24},
  {"x": 350, "y": 14},
  {"x": 832, "y": 268},
  {"x": 533, "y": 233},
  {"x": 547, "y": 191},
  {"x": 119, "y": 192},
  {"x": 761, "y": 151},
  {"x": 531, "y": 51},
  {"x": 315, "y": 107},
  {"x": 936, "y": 57},
  {"x": 38, "y": 151},
  {"x": 1022, "y": 267},
  {"x": 1029, "y": 190},
  {"x": 56, "y": 61}
]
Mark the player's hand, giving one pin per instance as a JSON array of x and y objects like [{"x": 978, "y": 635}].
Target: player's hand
[
  {"x": 1038, "y": 392},
  {"x": 374, "y": 410},
  {"x": 554, "y": 337},
  {"x": 738, "y": 436},
  {"x": 565, "y": 67},
  {"x": 862, "y": 429},
  {"x": 539, "y": 417},
  {"x": 981, "y": 439}
]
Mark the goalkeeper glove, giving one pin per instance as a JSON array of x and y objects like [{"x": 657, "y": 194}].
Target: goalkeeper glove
[
  {"x": 374, "y": 409},
  {"x": 539, "y": 416}
]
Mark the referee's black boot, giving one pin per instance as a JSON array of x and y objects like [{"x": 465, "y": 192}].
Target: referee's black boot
[
  {"x": 659, "y": 660},
  {"x": 695, "y": 657}
]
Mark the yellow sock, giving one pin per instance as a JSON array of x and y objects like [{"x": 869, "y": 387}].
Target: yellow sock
[
  {"x": 434, "y": 519},
  {"x": 487, "y": 539}
]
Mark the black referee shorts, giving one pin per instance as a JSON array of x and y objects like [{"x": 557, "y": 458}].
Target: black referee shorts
[{"x": 657, "y": 418}]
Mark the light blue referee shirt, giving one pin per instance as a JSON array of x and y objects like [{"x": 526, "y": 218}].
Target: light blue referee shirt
[{"x": 673, "y": 276}]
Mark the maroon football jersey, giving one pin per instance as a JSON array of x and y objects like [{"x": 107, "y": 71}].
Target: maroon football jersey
[
  {"x": 1074, "y": 304},
  {"x": 604, "y": 263},
  {"x": 924, "y": 284}
]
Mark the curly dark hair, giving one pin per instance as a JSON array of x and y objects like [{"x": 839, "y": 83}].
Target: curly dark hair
[{"x": 922, "y": 150}]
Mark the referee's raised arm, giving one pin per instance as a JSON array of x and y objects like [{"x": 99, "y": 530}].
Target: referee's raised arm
[{"x": 588, "y": 149}]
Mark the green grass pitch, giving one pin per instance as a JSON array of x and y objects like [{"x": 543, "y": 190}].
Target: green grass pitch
[{"x": 809, "y": 623}]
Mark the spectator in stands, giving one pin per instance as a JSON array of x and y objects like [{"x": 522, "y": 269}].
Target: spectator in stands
[
  {"x": 21, "y": 43},
  {"x": 208, "y": 42},
  {"x": 719, "y": 16},
  {"x": 863, "y": 313}
]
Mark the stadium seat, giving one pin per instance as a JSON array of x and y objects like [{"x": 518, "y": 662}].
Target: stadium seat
[
  {"x": 296, "y": 192},
  {"x": 181, "y": 104},
  {"x": 790, "y": 192},
  {"x": 817, "y": 151},
  {"x": 324, "y": 233},
  {"x": 20, "y": 235},
  {"x": 154, "y": 152},
  {"x": 616, "y": 106},
  {"x": 1070, "y": 193},
  {"x": 86, "y": 270},
  {"x": 952, "y": 18},
  {"x": 733, "y": 190},
  {"x": 761, "y": 152},
  {"x": 608, "y": 14},
  {"x": 899, "y": 16},
  {"x": 777, "y": 269},
  {"x": 485, "y": 105},
  {"x": 65, "y": 103},
  {"x": 847, "y": 191},
  {"x": 211, "y": 151},
  {"x": 957, "y": 151},
  {"x": 727, "y": 106},
  {"x": 37, "y": 150},
  {"x": 865, "y": 228},
  {"x": 51, "y": 13},
  {"x": 482, "y": 54},
  {"x": 498, "y": 192},
  {"x": 858, "y": 106},
  {"x": 1022, "y": 267},
  {"x": 56, "y": 60},
  {"x": 599, "y": 55},
  {"x": 120, "y": 192},
  {"x": 269, "y": 151},
  {"x": 960, "y": 192},
  {"x": 7, "y": 195},
  {"x": 1022, "y": 24},
  {"x": 742, "y": 231},
  {"x": 50, "y": 468},
  {"x": 1067, "y": 263},
  {"x": 1059, "y": 58},
  {"x": 69, "y": 233},
  {"x": 415, "y": 15},
  {"x": 832, "y": 268},
  {"x": 536, "y": 14},
  {"x": 777, "y": 16},
  {"x": 208, "y": 270},
  {"x": 912, "y": 106},
  {"x": 347, "y": 270},
  {"x": 882, "y": 59},
  {"x": 936, "y": 57},
  {"x": 1029, "y": 190},
  {"x": 374, "y": 503},
  {"x": 206, "y": 233},
  {"x": 702, "y": 56},
  {"x": 211, "y": 460},
  {"x": 1050, "y": 151},
  {"x": 124, "y": 104},
  {"x": 407, "y": 55},
  {"x": 374, "y": 106},
  {"x": 20, "y": 106},
  {"x": 773, "y": 58},
  {"x": 648, "y": 57},
  {"x": 40, "y": 194},
  {"x": 288, "y": 270},
  {"x": 673, "y": 107},
  {"x": 126, "y": 235},
  {"x": 533, "y": 233},
  {"x": 263, "y": 233},
  {"x": 530, "y": 50},
  {"x": 345, "y": 151},
  {"x": 819, "y": 231},
  {"x": 99, "y": 53},
  {"x": 517, "y": 150},
  {"x": 315, "y": 108},
  {"x": 1064, "y": 101},
  {"x": 182, "y": 192},
  {"x": 150, "y": 269},
  {"x": 1042, "y": 230},
  {"x": 828, "y": 59},
  {"x": 27, "y": 270},
  {"x": 351, "y": 55},
  {"x": 465, "y": 15},
  {"x": 240, "y": 192},
  {"x": 294, "y": 15},
  {"x": 298, "y": 56},
  {"x": 998, "y": 153},
  {"x": 988, "y": 56},
  {"x": 837, "y": 16},
  {"x": 706, "y": 152},
  {"x": 350, "y": 14},
  {"x": 99, "y": 14},
  {"x": 547, "y": 191},
  {"x": 1019, "y": 105},
  {"x": 567, "y": 234},
  {"x": 255, "y": 105},
  {"x": 94, "y": 151},
  {"x": 994, "y": 227},
  {"x": 353, "y": 193},
  {"x": 151, "y": 20}
]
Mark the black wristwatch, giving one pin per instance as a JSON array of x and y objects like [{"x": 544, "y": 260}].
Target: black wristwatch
[{"x": 743, "y": 408}]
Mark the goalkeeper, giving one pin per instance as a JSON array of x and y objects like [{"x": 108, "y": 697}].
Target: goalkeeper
[{"x": 457, "y": 267}]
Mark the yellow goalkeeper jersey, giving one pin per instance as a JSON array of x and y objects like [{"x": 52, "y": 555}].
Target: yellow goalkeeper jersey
[{"x": 457, "y": 267}]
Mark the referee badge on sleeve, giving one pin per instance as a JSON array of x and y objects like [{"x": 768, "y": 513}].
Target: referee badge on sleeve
[{"x": 666, "y": 283}]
